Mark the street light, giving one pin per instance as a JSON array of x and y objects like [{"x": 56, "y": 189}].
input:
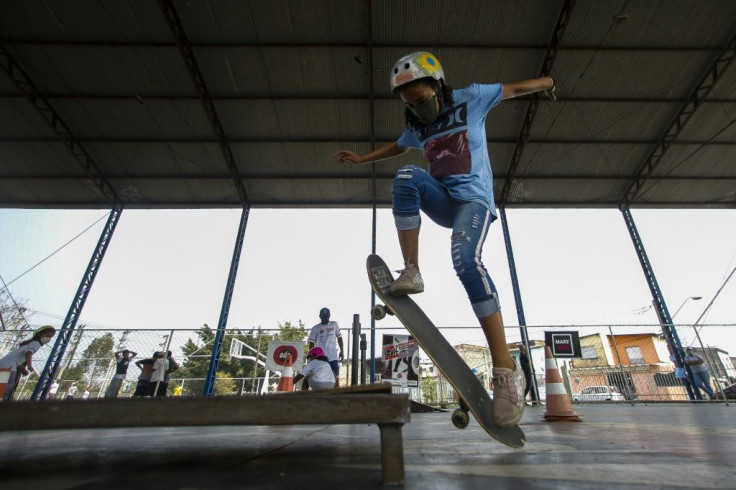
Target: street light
[{"x": 694, "y": 298}]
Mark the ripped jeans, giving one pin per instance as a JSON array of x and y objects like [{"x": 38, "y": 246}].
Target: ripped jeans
[{"x": 415, "y": 189}]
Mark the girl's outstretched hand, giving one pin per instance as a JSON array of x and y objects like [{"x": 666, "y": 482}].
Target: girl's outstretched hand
[{"x": 344, "y": 156}]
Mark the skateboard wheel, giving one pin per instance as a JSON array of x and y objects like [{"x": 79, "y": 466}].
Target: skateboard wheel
[
  {"x": 460, "y": 418},
  {"x": 378, "y": 312}
]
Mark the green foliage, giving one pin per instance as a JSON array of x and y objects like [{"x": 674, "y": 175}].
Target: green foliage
[
  {"x": 291, "y": 333},
  {"x": 429, "y": 390},
  {"x": 94, "y": 362},
  {"x": 225, "y": 386}
]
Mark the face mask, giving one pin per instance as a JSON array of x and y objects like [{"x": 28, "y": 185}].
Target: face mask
[{"x": 426, "y": 111}]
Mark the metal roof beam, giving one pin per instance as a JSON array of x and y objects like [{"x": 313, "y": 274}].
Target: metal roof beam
[
  {"x": 408, "y": 46},
  {"x": 31, "y": 92},
  {"x": 365, "y": 203},
  {"x": 177, "y": 30},
  {"x": 340, "y": 177},
  {"x": 197, "y": 141},
  {"x": 350, "y": 98},
  {"x": 697, "y": 96},
  {"x": 531, "y": 112}
]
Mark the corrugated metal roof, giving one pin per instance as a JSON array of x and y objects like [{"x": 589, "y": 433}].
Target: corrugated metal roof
[{"x": 290, "y": 82}]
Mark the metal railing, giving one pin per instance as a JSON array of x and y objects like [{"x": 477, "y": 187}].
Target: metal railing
[{"x": 631, "y": 359}]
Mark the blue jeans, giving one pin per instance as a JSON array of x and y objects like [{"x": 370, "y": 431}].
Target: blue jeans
[
  {"x": 415, "y": 189},
  {"x": 702, "y": 381},
  {"x": 335, "y": 365}
]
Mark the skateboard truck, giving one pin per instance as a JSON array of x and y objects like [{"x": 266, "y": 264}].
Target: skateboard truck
[{"x": 379, "y": 312}]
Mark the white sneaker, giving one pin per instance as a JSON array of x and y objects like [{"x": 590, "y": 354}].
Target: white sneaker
[
  {"x": 508, "y": 396},
  {"x": 409, "y": 282}
]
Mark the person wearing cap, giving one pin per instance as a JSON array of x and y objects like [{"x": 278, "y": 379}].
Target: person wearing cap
[
  {"x": 701, "y": 375},
  {"x": 317, "y": 372},
  {"x": 20, "y": 359},
  {"x": 326, "y": 334},
  {"x": 456, "y": 192}
]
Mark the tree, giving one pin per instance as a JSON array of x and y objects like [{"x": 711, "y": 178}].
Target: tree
[
  {"x": 291, "y": 333},
  {"x": 429, "y": 390},
  {"x": 197, "y": 359},
  {"x": 95, "y": 361},
  {"x": 13, "y": 322}
]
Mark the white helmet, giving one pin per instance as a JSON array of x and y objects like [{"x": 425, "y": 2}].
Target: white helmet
[{"x": 416, "y": 66}]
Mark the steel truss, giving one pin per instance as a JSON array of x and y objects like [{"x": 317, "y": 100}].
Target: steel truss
[
  {"x": 517, "y": 297},
  {"x": 209, "y": 386},
  {"x": 531, "y": 112},
  {"x": 693, "y": 101},
  {"x": 70, "y": 322},
  {"x": 670, "y": 333},
  {"x": 57, "y": 124}
]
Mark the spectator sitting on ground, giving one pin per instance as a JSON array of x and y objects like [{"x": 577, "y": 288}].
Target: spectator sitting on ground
[{"x": 317, "y": 373}]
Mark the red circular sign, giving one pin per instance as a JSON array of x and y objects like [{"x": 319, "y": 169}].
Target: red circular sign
[{"x": 279, "y": 354}]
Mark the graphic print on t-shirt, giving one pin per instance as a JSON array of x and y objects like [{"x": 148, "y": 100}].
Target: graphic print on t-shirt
[{"x": 449, "y": 153}]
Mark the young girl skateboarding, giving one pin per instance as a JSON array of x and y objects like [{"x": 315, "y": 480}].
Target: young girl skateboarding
[{"x": 456, "y": 192}]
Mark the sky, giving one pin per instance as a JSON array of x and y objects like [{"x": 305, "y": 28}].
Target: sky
[{"x": 168, "y": 269}]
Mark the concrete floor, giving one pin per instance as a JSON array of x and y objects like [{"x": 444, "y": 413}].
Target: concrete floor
[{"x": 616, "y": 446}]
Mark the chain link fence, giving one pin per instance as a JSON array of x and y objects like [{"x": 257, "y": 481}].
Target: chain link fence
[{"x": 619, "y": 363}]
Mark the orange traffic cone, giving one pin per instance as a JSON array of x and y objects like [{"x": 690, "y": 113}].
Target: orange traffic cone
[
  {"x": 4, "y": 379},
  {"x": 286, "y": 383},
  {"x": 558, "y": 401}
]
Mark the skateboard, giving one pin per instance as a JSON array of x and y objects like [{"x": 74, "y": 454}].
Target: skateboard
[{"x": 473, "y": 396}]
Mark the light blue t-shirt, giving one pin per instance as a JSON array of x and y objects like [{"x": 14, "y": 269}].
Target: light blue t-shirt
[{"x": 455, "y": 144}]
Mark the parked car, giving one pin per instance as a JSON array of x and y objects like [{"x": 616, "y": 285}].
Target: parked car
[
  {"x": 727, "y": 393},
  {"x": 598, "y": 393}
]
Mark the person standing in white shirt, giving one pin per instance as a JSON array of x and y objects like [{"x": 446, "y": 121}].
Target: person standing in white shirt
[
  {"x": 52, "y": 390},
  {"x": 326, "y": 335},
  {"x": 160, "y": 366}
]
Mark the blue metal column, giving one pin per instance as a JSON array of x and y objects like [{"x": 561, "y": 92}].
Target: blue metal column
[
  {"x": 209, "y": 385},
  {"x": 517, "y": 297},
  {"x": 670, "y": 334},
  {"x": 70, "y": 322},
  {"x": 373, "y": 293}
]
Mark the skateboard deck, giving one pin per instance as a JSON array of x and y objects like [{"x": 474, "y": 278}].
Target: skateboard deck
[{"x": 473, "y": 395}]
